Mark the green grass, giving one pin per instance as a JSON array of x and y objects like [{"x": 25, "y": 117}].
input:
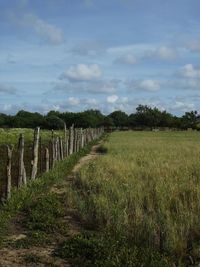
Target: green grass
[
  {"x": 11, "y": 136},
  {"x": 40, "y": 209},
  {"x": 140, "y": 200},
  {"x": 144, "y": 194}
]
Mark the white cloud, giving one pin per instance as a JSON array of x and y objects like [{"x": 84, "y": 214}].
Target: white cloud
[
  {"x": 144, "y": 85},
  {"x": 162, "y": 53},
  {"x": 128, "y": 59},
  {"x": 149, "y": 85},
  {"x": 82, "y": 72},
  {"x": 183, "y": 106},
  {"x": 91, "y": 101},
  {"x": 73, "y": 101},
  {"x": 190, "y": 71},
  {"x": 48, "y": 32},
  {"x": 112, "y": 98},
  {"x": 185, "y": 83},
  {"x": 107, "y": 87},
  {"x": 129, "y": 49},
  {"x": 6, "y": 108},
  {"x": 7, "y": 89},
  {"x": 92, "y": 87},
  {"x": 193, "y": 45},
  {"x": 88, "y": 48}
]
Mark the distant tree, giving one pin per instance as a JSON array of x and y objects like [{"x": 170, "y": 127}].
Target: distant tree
[
  {"x": 108, "y": 122},
  {"x": 54, "y": 122},
  {"x": 190, "y": 120},
  {"x": 119, "y": 118},
  {"x": 147, "y": 116},
  {"x": 144, "y": 116},
  {"x": 132, "y": 120},
  {"x": 89, "y": 118},
  {"x": 3, "y": 120},
  {"x": 25, "y": 119}
]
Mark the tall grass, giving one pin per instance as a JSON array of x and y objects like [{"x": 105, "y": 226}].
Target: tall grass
[{"x": 146, "y": 191}]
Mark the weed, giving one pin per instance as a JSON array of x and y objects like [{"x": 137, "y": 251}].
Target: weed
[
  {"x": 102, "y": 149},
  {"x": 33, "y": 258},
  {"x": 43, "y": 213},
  {"x": 88, "y": 250},
  {"x": 33, "y": 238}
]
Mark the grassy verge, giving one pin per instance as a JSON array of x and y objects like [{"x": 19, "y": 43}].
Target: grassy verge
[
  {"x": 38, "y": 208},
  {"x": 143, "y": 198}
]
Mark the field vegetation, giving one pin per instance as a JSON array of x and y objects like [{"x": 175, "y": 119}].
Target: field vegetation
[
  {"x": 11, "y": 136},
  {"x": 143, "y": 199},
  {"x": 39, "y": 214},
  {"x": 138, "y": 205}
]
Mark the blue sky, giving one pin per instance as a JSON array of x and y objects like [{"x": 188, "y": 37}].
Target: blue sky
[{"x": 72, "y": 55}]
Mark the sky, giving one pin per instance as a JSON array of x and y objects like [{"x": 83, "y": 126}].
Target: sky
[{"x": 73, "y": 55}]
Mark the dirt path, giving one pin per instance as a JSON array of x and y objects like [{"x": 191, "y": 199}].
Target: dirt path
[{"x": 41, "y": 256}]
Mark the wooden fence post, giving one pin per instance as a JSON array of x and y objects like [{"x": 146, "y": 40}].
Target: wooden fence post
[
  {"x": 65, "y": 141},
  {"x": 35, "y": 153},
  {"x": 40, "y": 154},
  {"x": 67, "y": 147},
  {"x": 71, "y": 139},
  {"x": 75, "y": 140},
  {"x": 61, "y": 148},
  {"x": 46, "y": 159},
  {"x": 22, "y": 171},
  {"x": 53, "y": 148},
  {"x": 82, "y": 138},
  {"x": 9, "y": 177},
  {"x": 56, "y": 148}
]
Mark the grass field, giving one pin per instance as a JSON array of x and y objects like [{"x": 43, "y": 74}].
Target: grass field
[
  {"x": 138, "y": 204},
  {"x": 10, "y": 136},
  {"x": 143, "y": 197}
]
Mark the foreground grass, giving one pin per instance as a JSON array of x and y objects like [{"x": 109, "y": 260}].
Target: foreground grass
[
  {"x": 143, "y": 197},
  {"x": 40, "y": 208}
]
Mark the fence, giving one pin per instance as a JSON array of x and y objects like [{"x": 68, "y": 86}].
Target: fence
[{"x": 25, "y": 162}]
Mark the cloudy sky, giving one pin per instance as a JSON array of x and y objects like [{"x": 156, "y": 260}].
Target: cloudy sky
[{"x": 72, "y": 55}]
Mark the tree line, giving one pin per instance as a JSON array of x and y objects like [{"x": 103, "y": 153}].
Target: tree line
[{"x": 144, "y": 117}]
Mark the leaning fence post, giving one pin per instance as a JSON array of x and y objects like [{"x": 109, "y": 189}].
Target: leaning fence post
[
  {"x": 9, "y": 166},
  {"x": 22, "y": 171},
  {"x": 35, "y": 153}
]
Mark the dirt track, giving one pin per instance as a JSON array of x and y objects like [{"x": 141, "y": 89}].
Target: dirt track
[{"x": 14, "y": 257}]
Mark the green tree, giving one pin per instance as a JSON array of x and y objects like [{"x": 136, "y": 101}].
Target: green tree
[
  {"x": 119, "y": 118},
  {"x": 54, "y": 122},
  {"x": 190, "y": 120}
]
